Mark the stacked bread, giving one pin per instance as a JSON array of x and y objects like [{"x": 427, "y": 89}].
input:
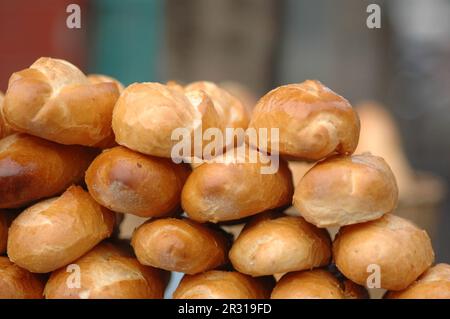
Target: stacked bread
[{"x": 81, "y": 151}]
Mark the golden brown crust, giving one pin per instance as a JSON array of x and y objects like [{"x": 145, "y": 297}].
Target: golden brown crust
[
  {"x": 54, "y": 100},
  {"x": 180, "y": 245},
  {"x": 57, "y": 231},
  {"x": 313, "y": 121},
  {"x": 231, "y": 190},
  {"x": 433, "y": 284},
  {"x": 400, "y": 249},
  {"x": 101, "y": 78},
  {"x": 3, "y": 232},
  {"x": 32, "y": 168},
  {"x": 346, "y": 190},
  {"x": 5, "y": 128},
  {"x": 18, "y": 283},
  {"x": 216, "y": 284},
  {"x": 128, "y": 182},
  {"x": 107, "y": 272},
  {"x": 275, "y": 243}
]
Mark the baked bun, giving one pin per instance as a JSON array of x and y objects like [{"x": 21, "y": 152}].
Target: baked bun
[
  {"x": 107, "y": 272},
  {"x": 274, "y": 243},
  {"x": 5, "y": 128},
  {"x": 346, "y": 190},
  {"x": 180, "y": 245},
  {"x": 129, "y": 182},
  {"x": 57, "y": 231},
  {"x": 101, "y": 78},
  {"x": 400, "y": 249},
  {"x": 54, "y": 100},
  {"x": 223, "y": 191},
  {"x": 433, "y": 284},
  {"x": 32, "y": 168},
  {"x": 216, "y": 284},
  {"x": 3, "y": 232},
  {"x": 18, "y": 283},
  {"x": 313, "y": 121}
]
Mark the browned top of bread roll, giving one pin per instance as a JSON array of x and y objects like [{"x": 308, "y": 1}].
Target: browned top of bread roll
[
  {"x": 3, "y": 232},
  {"x": 345, "y": 190},
  {"x": 18, "y": 283},
  {"x": 180, "y": 245},
  {"x": 32, "y": 168},
  {"x": 433, "y": 284},
  {"x": 216, "y": 284},
  {"x": 275, "y": 243},
  {"x": 101, "y": 78},
  {"x": 54, "y": 100},
  {"x": 399, "y": 248},
  {"x": 56, "y": 231},
  {"x": 107, "y": 272},
  {"x": 133, "y": 183},
  {"x": 313, "y": 121}
]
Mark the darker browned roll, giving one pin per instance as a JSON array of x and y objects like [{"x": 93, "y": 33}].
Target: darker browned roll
[{"x": 18, "y": 283}]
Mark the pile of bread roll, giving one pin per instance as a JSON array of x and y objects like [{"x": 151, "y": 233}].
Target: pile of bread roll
[{"x": 78, "y": 152}]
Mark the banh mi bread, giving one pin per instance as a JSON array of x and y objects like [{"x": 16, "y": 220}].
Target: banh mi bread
[
  {"x": 390, "y": 252},
  {"x": 180, "y": 245},
  {"x": 107, "y": 272},
  {"x": 313, "y": 121},
  {"x": 274, "y": 243},
  {"x": 236, "y": 188},
  {"x": 216, "y": 284},
  {"x": 129, "y": 182},
  {"x": 32, "y": 168},
  {"x": 18, "y": 283},
  {"x": 433, "y": 284},
  {"x": 54, "y": 100},
  {"x": 346, "y": 190},
  {"x": 55, "y": 232},
  {"x": 3, "y": 232}
]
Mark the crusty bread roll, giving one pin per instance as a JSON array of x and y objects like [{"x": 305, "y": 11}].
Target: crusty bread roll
[
  {"x": 18, "y": 283},
  {"x": 32, "y": 168},
  {"x": 101, "y": 78},
  {"x": 313, "y": 121},
  {"x": 232, "y": 190},
  {"x": 54, "y": 100},
  {"x": 107, "y": 272},
  {"x": 129, "y": 182},
  {"x": 56, "y": 231},
  {"x": 3, "y": 232},
  {"x": 399, "y": 248},
  {"x": 5, "y": 128},
  {"x": 346, "y": 190},
  {"x": 433, "y": 284},
  {"x": 216, "y": 284},
  {"x": 274, "y": 243},
  {"x": 180, "y": 245}
]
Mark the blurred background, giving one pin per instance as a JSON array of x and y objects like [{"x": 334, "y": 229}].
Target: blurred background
[{"x": 398, "y": 75}]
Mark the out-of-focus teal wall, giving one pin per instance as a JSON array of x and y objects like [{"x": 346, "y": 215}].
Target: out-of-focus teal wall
[{"x": 125, "y": 39}]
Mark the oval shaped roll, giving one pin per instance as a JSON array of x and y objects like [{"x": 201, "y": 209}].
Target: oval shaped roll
[
  {"x": 216, "y": 284},
  {"x": 107, "y": 272},
  {"x": 346, "y": 190},
  {"x": 313, "y": 121},
  {"x": 32, "y": 168},
  {"x": 393, "y": 245},
  {"x": 180, "y": 245},
  {"x": 223, "y": 191},
  {"x": 128, "y": 182},
  {"x": 433, "y": 284},
  {"x": 276, "y": 243},
  {"x": 18, "y": 283},
  {"x": 56, "y": 231}
]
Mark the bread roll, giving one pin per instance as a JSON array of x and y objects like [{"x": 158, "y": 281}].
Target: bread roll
[
  {"x": 32, "y": 168},
  {"x": 275, "y": 243},
  {"x": 232, "y": 190},
  {"x": 18, "y": 283},
  {"x": 346, "y": 190},
  {"x": 433, "y": 284},
  {"x": 57, "y": 231},
  {"x": 128, "y": 182},
  {"x": 3, "y": 232},
  {"x": 400, "y": 249},
  {"x": 101, "y": 78},
  {"x": 180, "y": 245},
  {"x": 5, "y": 128},
  {"x": 54, "y": 100},
  {"x": 216, "y": 284},
  {"x": 107, "y": 272},
  {"x": 313, "y": 121},
  {"x": 354, "y": 291}
]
